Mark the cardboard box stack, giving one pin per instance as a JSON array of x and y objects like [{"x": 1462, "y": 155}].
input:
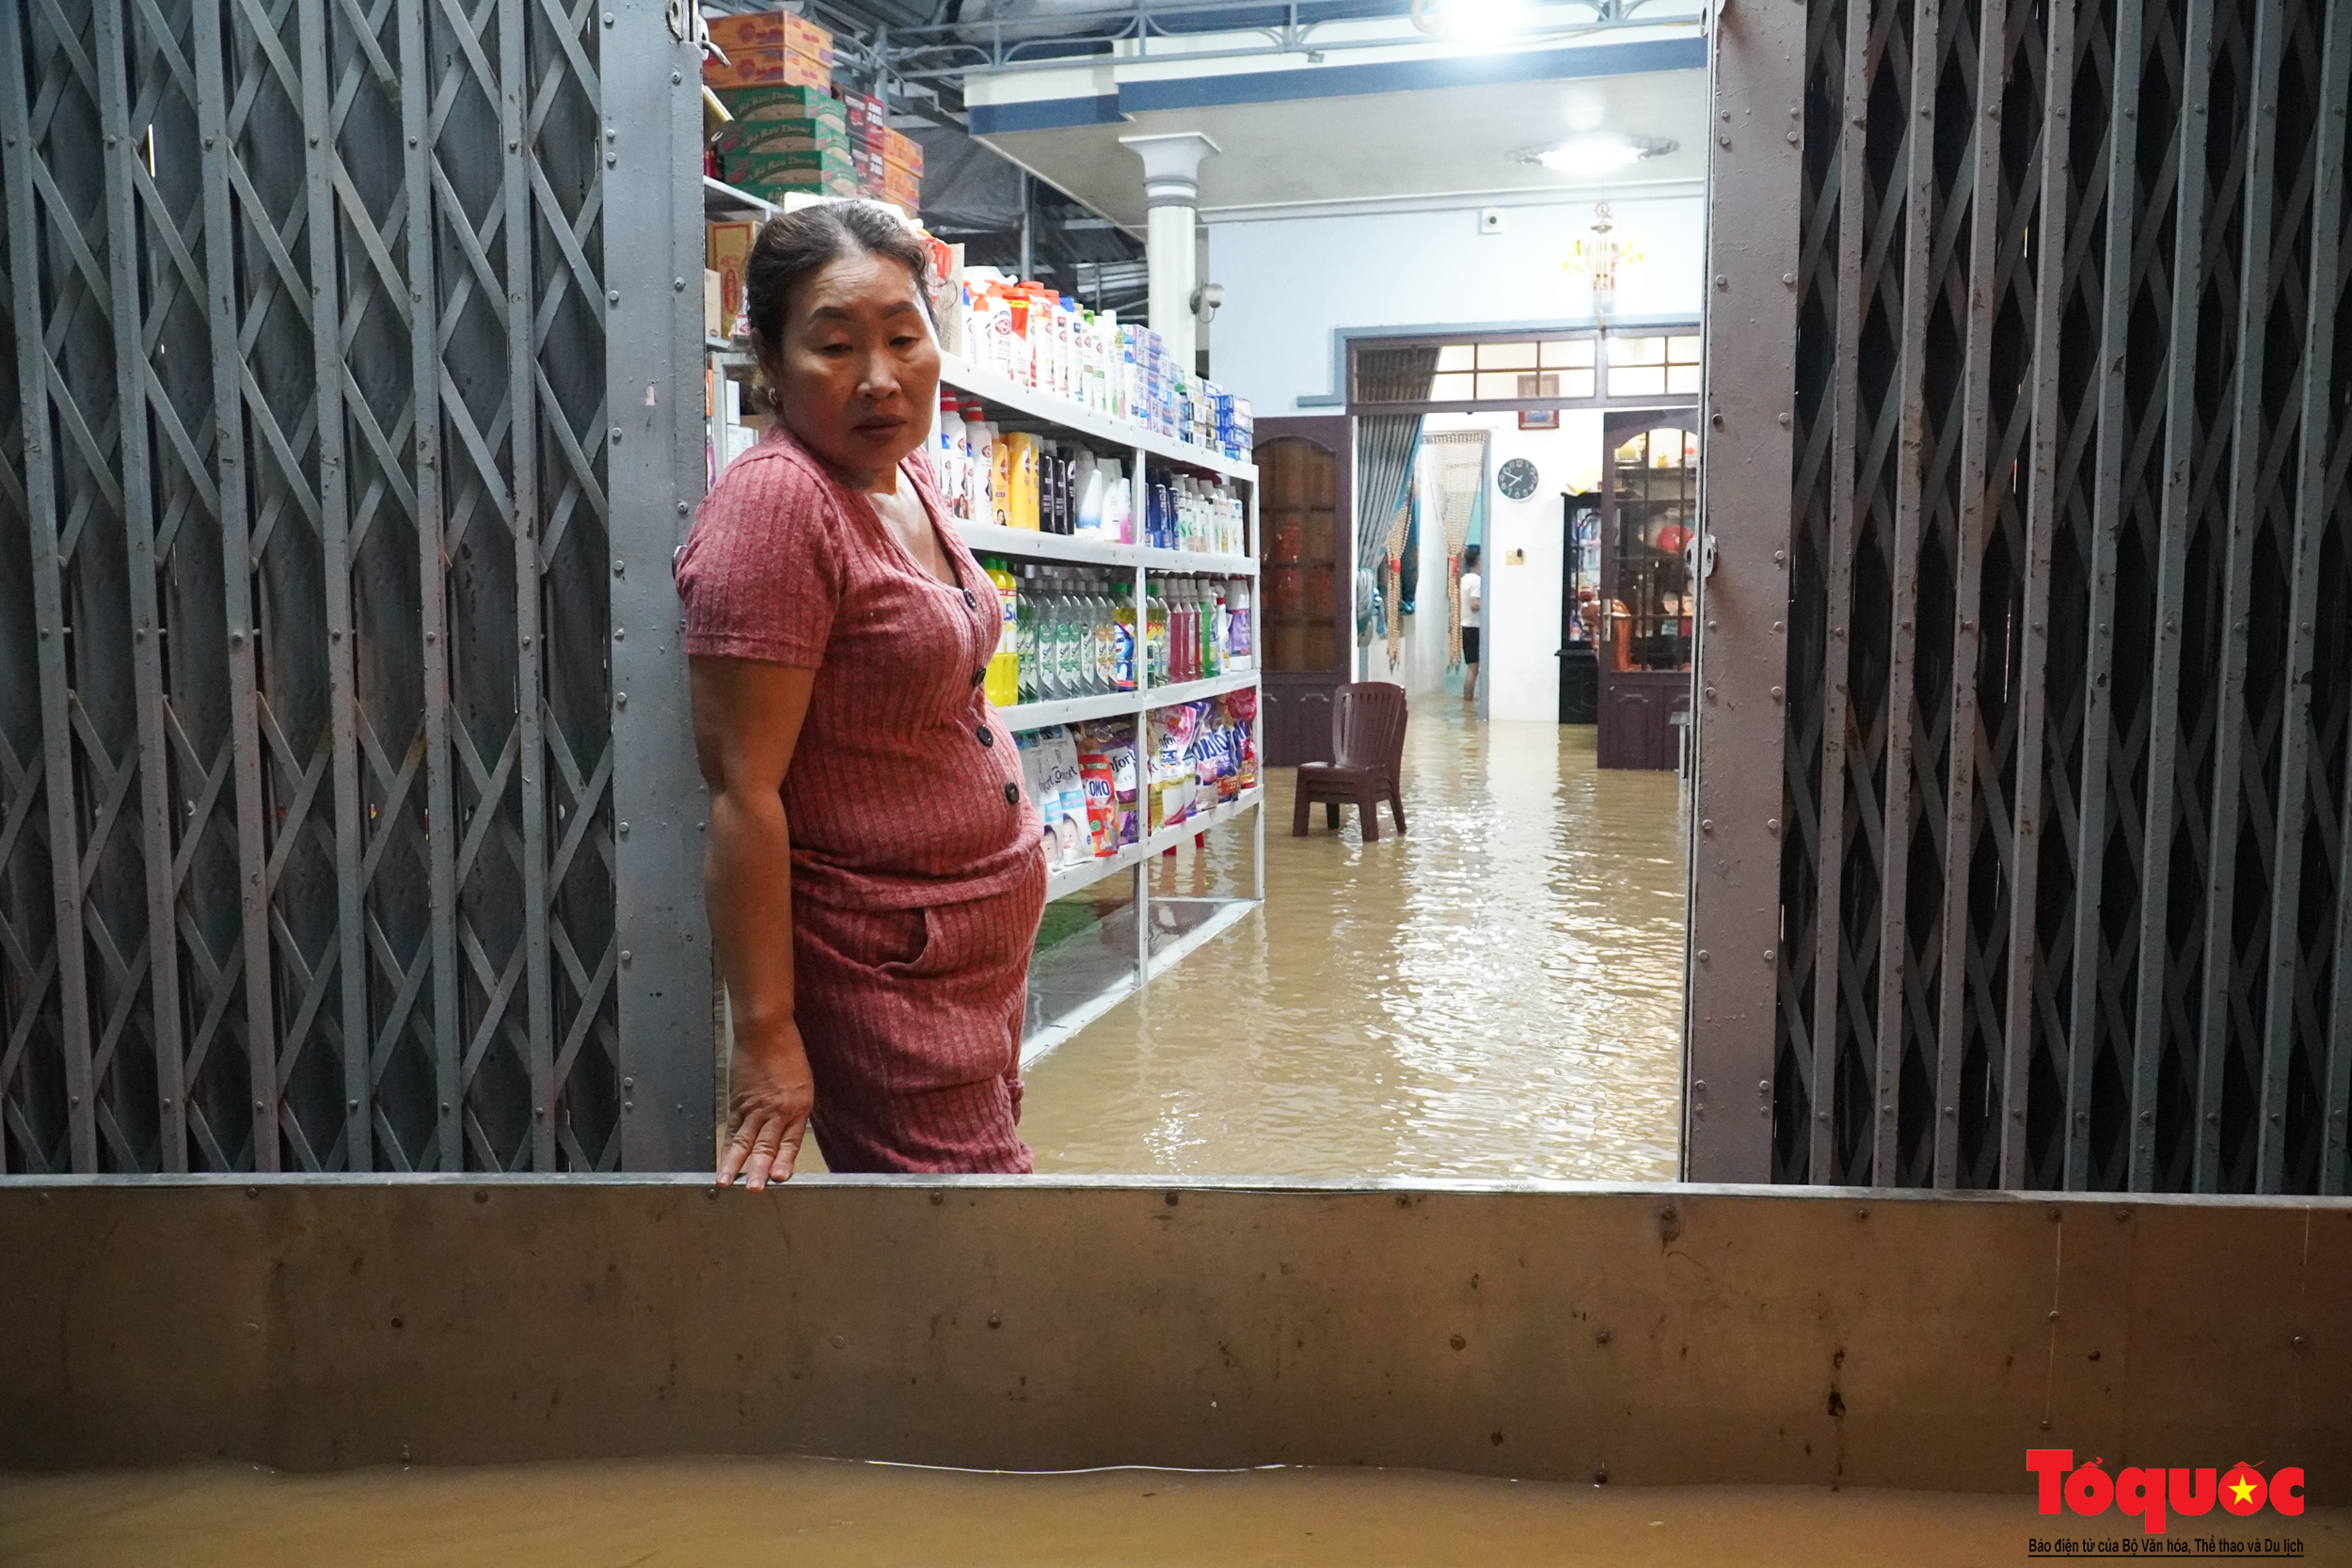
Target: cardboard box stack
[
  {"x": 788, "y": 133},
  {"x": 888, "y": 164},
  {"x": 770, "y": 49}
]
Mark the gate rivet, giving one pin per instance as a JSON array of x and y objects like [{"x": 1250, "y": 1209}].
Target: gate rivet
[
  {"x": 677, "y": 283},
  {"x": 624, "y": 957},
  {"x": 1706, "y": 824},
  {"x": 1710, "y": 693},
  {"x": 676, "y": 78},
  {"x": 1702, "y": 954},
  {"x": 1768, "y": 954}
]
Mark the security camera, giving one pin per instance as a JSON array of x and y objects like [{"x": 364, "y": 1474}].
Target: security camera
[{"x": 1205, "y": 299}]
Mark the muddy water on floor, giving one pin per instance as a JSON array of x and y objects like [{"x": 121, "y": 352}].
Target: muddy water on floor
[
  {"x": 1495, "y": 993},
  {"x": 813, "y": 1513}
]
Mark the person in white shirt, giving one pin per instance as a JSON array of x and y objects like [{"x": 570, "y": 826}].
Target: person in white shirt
[{"x": 1472, "y": 622}]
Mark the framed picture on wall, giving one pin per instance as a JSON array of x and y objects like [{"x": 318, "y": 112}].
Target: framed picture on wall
[{"x": 1539, "y": 386}]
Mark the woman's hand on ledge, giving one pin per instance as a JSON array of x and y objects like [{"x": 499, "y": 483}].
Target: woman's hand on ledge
[{"x": 769, "y": 1106}]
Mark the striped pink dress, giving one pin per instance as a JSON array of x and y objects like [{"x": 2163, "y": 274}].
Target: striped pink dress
[{"x": 917, "y": 879}]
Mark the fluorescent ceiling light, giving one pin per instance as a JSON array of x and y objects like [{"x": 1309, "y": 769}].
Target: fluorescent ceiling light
[
  {"x": 1477, "y": 20},
  {"x": 1597, "y": 154}
]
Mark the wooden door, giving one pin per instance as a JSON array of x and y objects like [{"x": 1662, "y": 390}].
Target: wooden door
[{"x": 1304, "y": 490}]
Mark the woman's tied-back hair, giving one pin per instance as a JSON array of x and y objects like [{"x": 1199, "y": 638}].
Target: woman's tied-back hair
[{"x": 793, "y": 247}]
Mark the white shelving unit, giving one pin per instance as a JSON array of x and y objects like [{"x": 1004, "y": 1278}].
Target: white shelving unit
[
  {"x": 1008, "y": 403},
  {"x": 1024, "y": 407}
]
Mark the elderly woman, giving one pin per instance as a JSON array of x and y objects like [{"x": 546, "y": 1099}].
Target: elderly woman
[{"x": 875, "y": 876}]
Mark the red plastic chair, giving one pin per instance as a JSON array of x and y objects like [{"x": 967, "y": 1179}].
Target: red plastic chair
[{"x": 1368, "y": 745}]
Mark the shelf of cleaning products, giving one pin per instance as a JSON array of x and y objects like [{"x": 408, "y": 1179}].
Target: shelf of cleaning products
[
  {"x": 1069, "y": 879},
  {"x": 989, "y": 386},
  {"x": 1123, "y": 704},
  {"x": 1029, "y": 544}
]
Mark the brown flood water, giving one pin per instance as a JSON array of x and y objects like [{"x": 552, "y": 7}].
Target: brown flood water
[
  {"x": 817, "y": 1513},
  {"x": 1495, "y": 995}
]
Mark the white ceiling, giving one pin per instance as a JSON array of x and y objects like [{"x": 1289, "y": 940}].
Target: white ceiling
[{"x": 1437, "y": 147}]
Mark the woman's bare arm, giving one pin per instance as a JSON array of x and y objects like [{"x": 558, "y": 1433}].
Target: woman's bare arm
[{"x": 747, "y": 719}]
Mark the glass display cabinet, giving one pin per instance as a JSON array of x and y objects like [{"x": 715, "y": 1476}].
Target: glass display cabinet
[{"x": 1641, "y": 620}]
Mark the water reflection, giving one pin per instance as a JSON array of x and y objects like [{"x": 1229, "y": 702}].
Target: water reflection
[
  {"x": 813, "y": 1513},
  {"x": 1495, "y": 995}
]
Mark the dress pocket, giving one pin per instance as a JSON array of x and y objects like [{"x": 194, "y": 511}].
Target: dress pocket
[{"x": 913, "y": 939}]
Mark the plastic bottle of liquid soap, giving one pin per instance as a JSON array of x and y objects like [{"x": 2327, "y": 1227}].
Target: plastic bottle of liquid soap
[
  {"x": 1026, "y": 606},
  {"x": 1003, "y": 666}
]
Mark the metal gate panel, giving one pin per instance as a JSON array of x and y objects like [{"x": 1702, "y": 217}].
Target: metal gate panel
[
  {"x": 2069, "y": 651},
  {"x": 307, "y": 741}
]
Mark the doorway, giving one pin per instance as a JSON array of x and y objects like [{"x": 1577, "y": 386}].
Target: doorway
[{"x": 1303, "y": 536}]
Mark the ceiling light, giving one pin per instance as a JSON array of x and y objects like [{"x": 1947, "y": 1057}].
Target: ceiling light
[
  {"x": 1597, "y": 154},
  {"x": 1480, "y": 21}
]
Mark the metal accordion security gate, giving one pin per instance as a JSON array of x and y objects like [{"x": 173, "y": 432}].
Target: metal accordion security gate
[
  {"x": 341, "y": 459},
  {"x": 2030, "y": 314}
]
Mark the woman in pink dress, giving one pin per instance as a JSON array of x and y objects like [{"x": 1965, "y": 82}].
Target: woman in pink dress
[{"x": 875, "y": 875}]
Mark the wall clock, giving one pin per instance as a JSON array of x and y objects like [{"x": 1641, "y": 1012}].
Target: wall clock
[{"x": 1518, "y": 479}]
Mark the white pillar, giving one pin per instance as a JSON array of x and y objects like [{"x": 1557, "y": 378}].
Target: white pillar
[{"x": 1171, "y": 198}]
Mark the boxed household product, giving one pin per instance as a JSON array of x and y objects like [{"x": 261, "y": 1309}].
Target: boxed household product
[
  {"x": 767, "y": 168},
  {"x": 715, "y": 323},
  {"x": 785, "y": 102},
  {"x": 781, "y": 136},
  {"x": 729, "y": 250},
  {"x": 901, "y": 189},
  {"x": 772, "y": 30},
  {"x": 903, "y": 150},
  {"x": 760, "y": 68},
  {"x": 777, "y": 191}
]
